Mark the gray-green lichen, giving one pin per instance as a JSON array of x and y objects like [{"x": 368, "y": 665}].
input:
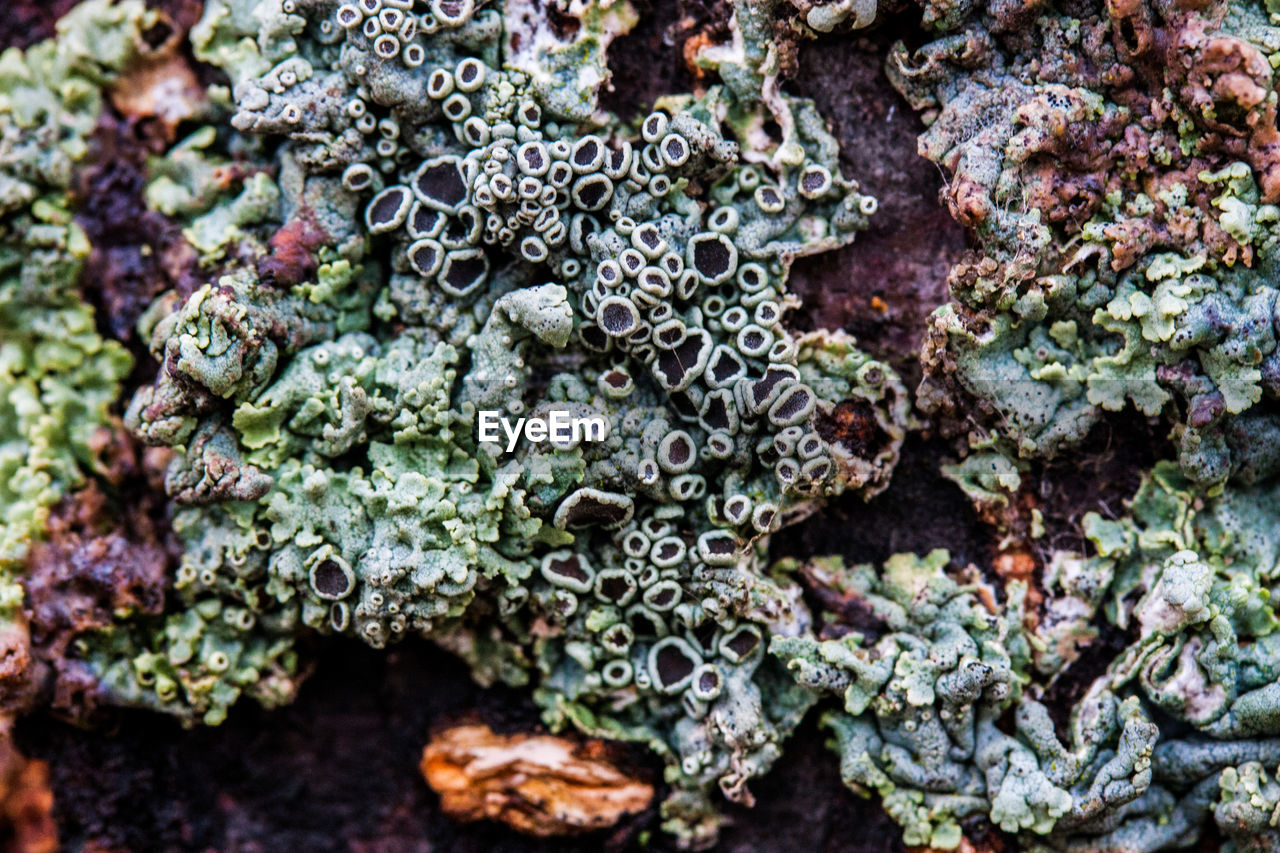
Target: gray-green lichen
[
  {"x": 58, "y": 376},
  {"x": 1117, "y": 164},
  {"x": 405, "y": 213},
  {"x": 943, "y": 684}
]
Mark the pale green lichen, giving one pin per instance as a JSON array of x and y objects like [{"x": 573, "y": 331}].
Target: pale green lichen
[
  {"x": 58, "y": 376},
  {"x": 1124, "y": 206},
  {"x": 406, "y": 213},
  {"x": 418, "y": 212},
  {"x": 934, "y": 669},
  {"x": 1248, "y": 809}
]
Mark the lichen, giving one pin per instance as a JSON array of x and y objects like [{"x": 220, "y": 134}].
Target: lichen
[
  {"x": 401, "y": 214},
  {"x": 58, "y": 376},
  {"x": 1116, "y": 163},
  {"x": 944, "y": 684},
  {"x": 400, "y": 217}
]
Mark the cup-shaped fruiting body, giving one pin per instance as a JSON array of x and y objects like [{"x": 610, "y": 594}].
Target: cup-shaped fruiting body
[
  {"x": 331, "y": 577},
  {"x": 440, "y": 83},
  {"x": 618, "y": 317},
  {"x": 463, "y": 271},
  {"x": 769, "y": 200},
  {"x": 662, "y": 596},
  {"x": 617, "y": 673},
  {"x": 358, "y": 177},
  {"x": 707, "y": 683},
  {"x": 636, "y": 544},
  {"x": 669, "y": 334},
  {"x": 414, "y": 55},
  {"x": 671, "y": 664},
  {"x": 688, "y": 487},
  {"x": 668, "y": 551},
  {"x": 713, "y": 257},
  {"x": 388, "y": 210},
  {"x": 677, "y": 368},
  {"x": 568, "y": 570},
  {"x": 452, "y": 13},
  {"x": 754, "y": 340},
  {"x": 617, "y": 640},
  {"x": 426, "y": 256},
  {"x": 440, "y": 183},
  {"x": 720, "y": 445},
  {"x": 647, "y": 239},
  {"x": 814, "y": 181},
  {"x": 423, "y": 221},
  {"x": 793, "y": 405},
  {"x": 631, "y": 260},
  {"x": 718, "y": 548},
  {"x": 592, "y": 192},
  {"x": 677, "y": 452},
  {"x": 616, "y": 587},
  {"x": 723, "y": 220},
  {"x": 533, "y": 249},
  {"x": 616, "y": 383},
  {"x": 654, "y": 127},
  {"x": 589, "y": 506}
]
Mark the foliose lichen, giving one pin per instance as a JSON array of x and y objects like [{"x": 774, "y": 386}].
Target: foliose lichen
[
  {"x": 1117, "y": 165},
  {"x": 944, "y": 684},
  {"x": 58, "y": 376},
  {"x": 403, "y": 214},
  {"x": 406, "y": 213}
]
